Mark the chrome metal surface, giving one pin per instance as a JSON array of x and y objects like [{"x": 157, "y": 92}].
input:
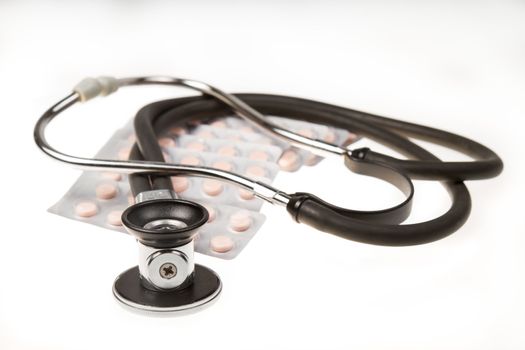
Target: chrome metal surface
[
  {"x": 260, "y": 189},
  {"x": 148, "y": 307},
  {"x": 151, "y": 259},
  {"x": 164, "y": 224},
  {"x": 167, "y": 256},
  {"x": 155, "y": 194}
]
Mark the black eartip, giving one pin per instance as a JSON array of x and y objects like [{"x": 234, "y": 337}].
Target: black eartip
[{"x": 164, "y": 223}]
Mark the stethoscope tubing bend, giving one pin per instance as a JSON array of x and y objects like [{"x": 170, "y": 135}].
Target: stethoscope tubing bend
[{"x": 375, "y": 227}]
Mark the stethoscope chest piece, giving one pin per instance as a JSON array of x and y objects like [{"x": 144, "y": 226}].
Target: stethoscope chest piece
[
  {"x": 166, "y": 280},
  {"x": 202, "y": 291}
]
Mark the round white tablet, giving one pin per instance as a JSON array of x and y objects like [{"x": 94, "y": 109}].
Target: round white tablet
[
  {"x": 204, "y": 134},
  {"x": 190, "y": 160},
  {"x": 106, "y": 191},
  {"x": 112, "y": 176},
  {"x": 259, "y": 155},
  {"x": 114, "y": 218},
  {"x": 289, "y": 160},
  {"x": 212, "y": 187},
  {"x": 196, "y": 146},
  {"x": 177, "y": 130},
  {"x": 180, "y": 183},
  {"x": 212, "y": 214},
  {"x": 123, "y": 153},
  {"x": 255, "y": 171},
  {"x": 246, "y": 129},
  {"x": 312, "y": 159},
  {"x": 221, "y": 244},
  {"x": 306, "y": 133},
  {"x": 233, "y": 137},
  {"x": 222, "y": 165},
  {"x": 218, "y": 124},
  {"x": 227, "y": 151},
  {"x": 166, "y": 142},
  {"x": 240, "y": 221},
  {"x": 86, "y": 209},
  {"x": 329, "y": 136},
  {"x": 351, "y": 138},
  {"x": 246, "y": 195}
]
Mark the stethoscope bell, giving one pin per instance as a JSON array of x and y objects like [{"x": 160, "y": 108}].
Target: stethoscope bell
[{"x": 166, "y": 279}]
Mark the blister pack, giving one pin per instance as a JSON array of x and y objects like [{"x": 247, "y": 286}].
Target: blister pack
[
  {"x": 229, "y": 144},
  {"x": 228, "y": 231},
  {"x": 215, "y": 191},
  {"x": 230, "y": 148},
  {"x": 291, "y": 158}
]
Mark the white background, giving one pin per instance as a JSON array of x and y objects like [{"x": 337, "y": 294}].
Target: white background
[{"x": 453, "y": 65}]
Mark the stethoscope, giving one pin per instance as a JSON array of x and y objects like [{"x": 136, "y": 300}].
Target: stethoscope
[{"x": 167, "y": 279}]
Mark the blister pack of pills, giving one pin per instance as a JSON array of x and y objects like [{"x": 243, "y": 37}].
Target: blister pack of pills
[
  {"x": 215, "y": 191},
  {"x": 230, "y": 144},
  {"x": 229, "y": 148},
  {"x": 226, "y": 233},
  {"x": 291, "y": 158}
]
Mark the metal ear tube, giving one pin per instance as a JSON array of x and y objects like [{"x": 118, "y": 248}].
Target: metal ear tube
[{"x": 166, "y": 278}]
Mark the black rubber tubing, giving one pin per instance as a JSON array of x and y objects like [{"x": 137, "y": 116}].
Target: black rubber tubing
[
  {"x": 393, "y": 215},
  {"x": 164, "y": 114},
  {"x": 486, "y": 163}
]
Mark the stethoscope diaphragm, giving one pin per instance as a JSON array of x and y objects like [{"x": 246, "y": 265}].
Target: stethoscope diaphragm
[{"x": 204, "y": 289}]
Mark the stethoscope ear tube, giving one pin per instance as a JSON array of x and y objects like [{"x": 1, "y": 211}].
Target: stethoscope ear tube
[
  {"x": 441, "y": 171},
  {"x": 375, "y": 227},
  {"x": 485, "y": 164},
  {"x": 317, "y": 214},
  {"x": 355, "y": 161},
  {"x": 380, "y": 227}
]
